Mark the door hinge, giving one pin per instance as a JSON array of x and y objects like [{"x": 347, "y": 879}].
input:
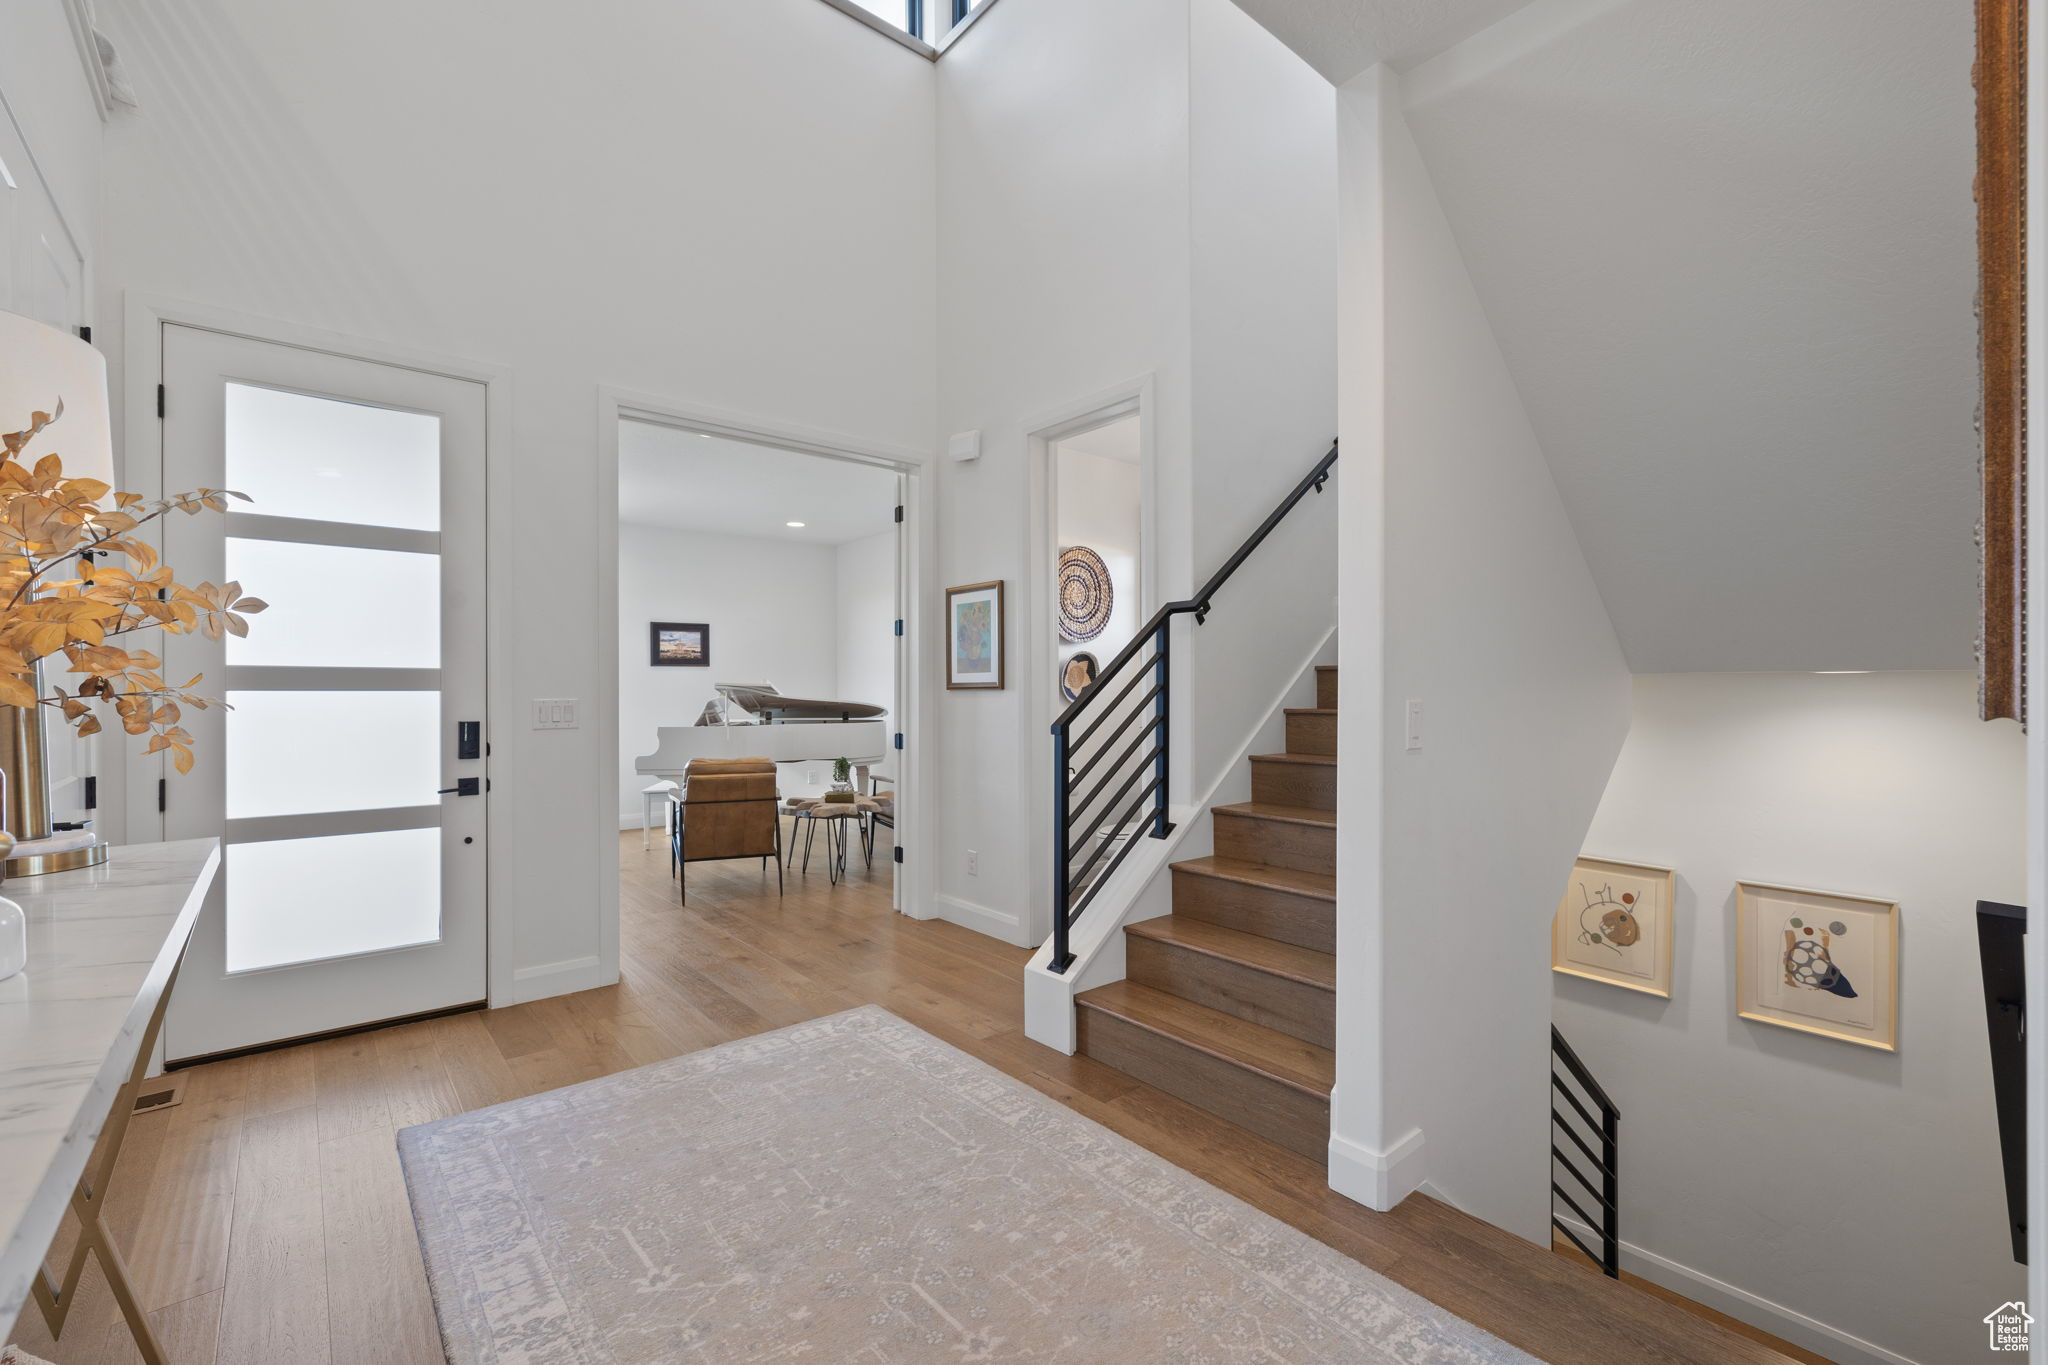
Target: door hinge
[
  {"x": 899, "y": 628},
  {"x": 163, "y": 791},
  {"x": 159, "y": 400},
  {"x": 85, "y": 333},
  {"x": 899, "y": 741},
  {"x": 92, "y": 794},
  {"x": 899, "y": 853},
  {"x": 899, "y": 513}
]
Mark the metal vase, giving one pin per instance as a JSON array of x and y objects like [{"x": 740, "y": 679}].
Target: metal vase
[{"x": 25, "y": 796}]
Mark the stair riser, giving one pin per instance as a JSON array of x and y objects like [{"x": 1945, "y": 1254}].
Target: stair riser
[
  {"x": 1294, "y": 784},
  {"x": 1311, "y": 734},
  {"x": 1277, "y": 843},
  {"x": 1294, "y": 1008},
  {"x": 1306, "y": 921},
  {"x": 1280, "y": 1113},
  {"x": 1326, "y": 688}
]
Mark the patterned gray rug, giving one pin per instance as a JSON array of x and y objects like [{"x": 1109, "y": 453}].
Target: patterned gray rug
[{"x": 853, "y": 1189}]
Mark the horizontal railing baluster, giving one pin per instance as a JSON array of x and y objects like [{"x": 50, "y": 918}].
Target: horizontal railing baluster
[
  {"x": 1607, "y": 1195},
  {"x": 1110, "y": 707},
  {"x": 1108, "y": 805},
  {"x": 1096, "y": 856},
  {"x": 1138, "y": 712},
  {"x": 1109, "y": 776}
]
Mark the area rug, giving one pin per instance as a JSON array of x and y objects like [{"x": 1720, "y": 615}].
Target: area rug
[{"x": 853, "y": 1189}]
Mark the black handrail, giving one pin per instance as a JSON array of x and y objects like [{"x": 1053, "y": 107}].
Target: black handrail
[
  {"x": 1605, "y": 1129},
  {"x": 1155, "y": 634}
]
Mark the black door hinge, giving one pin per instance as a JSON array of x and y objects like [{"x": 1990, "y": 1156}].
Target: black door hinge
[
  {"x": 899, "y": 741},
  {"x": 85, "y": 333},
  {"x": 899, "y": 513},
  {"x": 163, "y": 790},
  {"x": 92, "y": 794},
  {"x": 899, "y": 629},
  {"x": 159, "y": 400},
  {"x": 899, "y": 853}
]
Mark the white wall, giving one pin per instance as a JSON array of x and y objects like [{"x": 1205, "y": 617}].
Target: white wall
[
  {"x": 43, "y": 86},
  {"x": 1084, "y": 241},
  {"x": 723, "y": 204},
  {"x": 1856, "y": 1188},
  {"x": 865, "y": 613},
  {"x": 774, "y": 617},
  {"x": 1462, "y": 579},
  {"x": 1101, "y": 506}
]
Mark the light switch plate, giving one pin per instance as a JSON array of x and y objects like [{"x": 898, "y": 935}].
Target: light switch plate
[{"x": 554, "y": 713}]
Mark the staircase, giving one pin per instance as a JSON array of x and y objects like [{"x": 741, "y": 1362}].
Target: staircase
[{"x": 1229, "y": 1003}]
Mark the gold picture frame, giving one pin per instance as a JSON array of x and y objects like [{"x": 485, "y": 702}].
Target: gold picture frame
[
  {"x": 1615, "y": 924},
  {"x": 1821, "y": 962}
]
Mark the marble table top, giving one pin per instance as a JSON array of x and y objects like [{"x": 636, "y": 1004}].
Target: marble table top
[{"x": 101, "y": 945}]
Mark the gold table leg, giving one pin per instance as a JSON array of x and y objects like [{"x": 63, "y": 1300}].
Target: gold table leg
[{"x": 90, "y": 1198}]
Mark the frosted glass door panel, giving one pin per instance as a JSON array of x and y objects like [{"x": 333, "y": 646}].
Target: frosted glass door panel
[
  {"x": 337, "y": 606},
  {"x": 295, "y": 753},
  {"x": 325, "y": 460},
  {"x": 301, "y": 900}
]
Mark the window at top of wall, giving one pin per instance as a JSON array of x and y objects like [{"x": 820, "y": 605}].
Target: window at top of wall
[{"x": 927, "y": 19}]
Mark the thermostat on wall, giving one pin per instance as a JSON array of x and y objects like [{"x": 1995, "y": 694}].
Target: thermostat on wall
[{"x": 965, "y": 445}]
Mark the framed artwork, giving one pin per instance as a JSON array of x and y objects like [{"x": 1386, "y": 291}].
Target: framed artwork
[
  {"x": 1818, "y": 962},
  {"x": 1614, "y": 925},
  {"x": 678, "y": 644},
  {"x": 974, "y": 636}
]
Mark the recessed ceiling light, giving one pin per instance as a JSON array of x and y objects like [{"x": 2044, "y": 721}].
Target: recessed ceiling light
[{"x": 794, "y": 525}]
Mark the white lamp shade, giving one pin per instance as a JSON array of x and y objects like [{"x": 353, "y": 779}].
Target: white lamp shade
[{"x": 40, "y": 364}]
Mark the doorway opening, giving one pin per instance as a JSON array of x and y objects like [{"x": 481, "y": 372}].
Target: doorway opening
[{"x": 760, "y": 602}]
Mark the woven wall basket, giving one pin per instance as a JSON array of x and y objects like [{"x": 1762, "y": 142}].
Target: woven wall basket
[{"x": 1086, "y": 597}]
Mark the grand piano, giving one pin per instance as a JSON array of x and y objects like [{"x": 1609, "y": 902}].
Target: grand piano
[{"x": 753, "y": 720}]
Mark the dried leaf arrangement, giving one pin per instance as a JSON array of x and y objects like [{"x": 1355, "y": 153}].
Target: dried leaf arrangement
[{"x": 75, "y": 578}]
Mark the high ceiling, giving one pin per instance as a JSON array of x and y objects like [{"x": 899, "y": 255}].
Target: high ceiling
[
  {"x": 1341, "y": 38},
  {"x": 1728, "y": 251},
  {"x": 682, "y": 481}
]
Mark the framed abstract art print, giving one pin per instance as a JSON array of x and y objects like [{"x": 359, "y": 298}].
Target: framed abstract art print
[
  {"x": 1819, "y": 962},
  {"x": 974, "y": 636},
  {"x": 1614, "y": 925}
]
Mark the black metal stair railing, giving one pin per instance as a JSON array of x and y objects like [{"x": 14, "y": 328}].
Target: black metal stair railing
[
  {"x": 1602, "y": 1122},
  {"x": 1096, "y": 827}
]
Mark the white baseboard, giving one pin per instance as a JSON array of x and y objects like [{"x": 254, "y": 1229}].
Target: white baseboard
[
  {"x": 982, "y": 919},
  {"x": 544, "y": 979},
  {"x": 1754, "y": 1309},
  {"x": 1378, "y": 1180}
]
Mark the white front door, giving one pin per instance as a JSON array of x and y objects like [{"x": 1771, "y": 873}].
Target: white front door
[{"x": 347, "y": 779}]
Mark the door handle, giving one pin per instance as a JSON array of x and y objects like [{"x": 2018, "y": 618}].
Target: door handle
[{"x": 464, "y": 786}]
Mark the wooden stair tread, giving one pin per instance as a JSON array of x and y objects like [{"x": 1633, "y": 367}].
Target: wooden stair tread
[
  {"x": 1311, "y": 711},
  {"x": 1293, "y": 815},
  {"x": 1268, "y": 1052},
  {"x": 1269, "y": 955},
  {"x": 1318, "y": 760},
  {"x": 1319, "y": 885}
]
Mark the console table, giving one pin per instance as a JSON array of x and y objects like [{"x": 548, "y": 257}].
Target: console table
[{"x": 76, "y": 1033}]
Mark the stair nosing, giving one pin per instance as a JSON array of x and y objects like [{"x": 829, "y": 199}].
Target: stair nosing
[
  {"x": 1266, "y": 810},
  {"x": 1318, "y": 760},
  {"x": 1143, "y": 928},
  {"x": 1311, "y": 710},
  {"x": 1291, "y": 1082},
  {"x": 1230, "y": 873}
]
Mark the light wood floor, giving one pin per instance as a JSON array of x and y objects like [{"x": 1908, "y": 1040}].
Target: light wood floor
[{"x": 266, "y": 1216}]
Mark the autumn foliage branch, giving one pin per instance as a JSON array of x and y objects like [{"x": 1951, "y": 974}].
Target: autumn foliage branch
[{"x": 75, "y": 578}]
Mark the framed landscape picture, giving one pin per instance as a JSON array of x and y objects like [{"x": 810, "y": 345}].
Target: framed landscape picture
[
  {"x": 1614, "y": 925},
  {"x": 974, "y": 636},
  {"x": 678, "y": 644},
  {"x": 1819, "y": 962}
]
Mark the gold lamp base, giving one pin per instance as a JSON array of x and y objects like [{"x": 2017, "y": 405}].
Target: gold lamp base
[{"x": 70, "y": 860}]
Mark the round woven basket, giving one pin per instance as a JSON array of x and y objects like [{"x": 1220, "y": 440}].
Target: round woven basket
[{"x": 1086, "y": 596}]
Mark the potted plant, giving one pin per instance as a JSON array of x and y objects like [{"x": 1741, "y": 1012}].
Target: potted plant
[{"x": 842, "y": 781}]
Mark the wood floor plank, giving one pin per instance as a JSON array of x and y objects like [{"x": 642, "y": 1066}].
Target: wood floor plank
[
  {"x": 274, "y": 1307},
  {"x": 373, "y": 1257}
]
